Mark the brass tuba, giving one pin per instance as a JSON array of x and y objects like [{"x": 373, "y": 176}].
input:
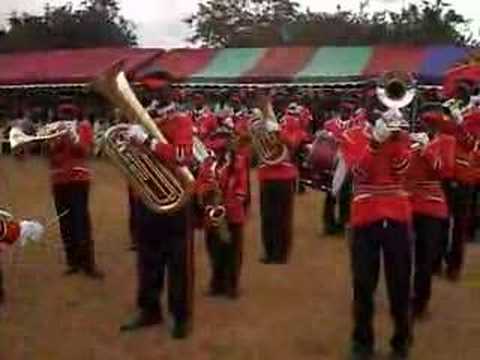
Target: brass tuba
[
  {"x": 267, "y": 144},
  {"x": 163, "y": 188},
  {"x": 396, "y": 90}
]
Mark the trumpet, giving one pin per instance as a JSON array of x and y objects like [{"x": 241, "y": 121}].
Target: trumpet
[{"x": 45, "y": 133}]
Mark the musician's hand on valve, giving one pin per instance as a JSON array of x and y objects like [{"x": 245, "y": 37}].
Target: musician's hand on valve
[
  {"x": 73, "y": 135},
  {"x": 136, "y": 134},
  {"x": 420, "y": 138},
  {"x": 30, "y": 231},
  {"x": 272, "y": 126},
  {"x": 457, "y": 115},
  {"x": 381, "y": 132}
]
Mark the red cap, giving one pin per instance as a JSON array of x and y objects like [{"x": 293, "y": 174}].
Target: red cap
[
  {"x": 68, "y": 110},
  {"x": 438, "y": 121},
  {"x": 466, "y": 73}
]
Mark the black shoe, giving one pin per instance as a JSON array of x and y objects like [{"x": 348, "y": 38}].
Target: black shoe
[
  {"x": 71, "y": 271},
  {"x": 94, "y": 274},
  {"x": 360, "y": 352},
  {"x": 453, "y": 274},
  {"x": 215, "y": 292},
  {"x": 132, "y": 247},
  {"x": 266, "y": 260},
  {"x": 359, "y": 355},
  {"x": 420, "y": 313},
  {"x": 2, "y": 297},
  {"x": 233, "y": 294},
  {"x": 399, "y": 354},
  {"x": 179, "y": 330},
  {"x": 142, "y": 319}
]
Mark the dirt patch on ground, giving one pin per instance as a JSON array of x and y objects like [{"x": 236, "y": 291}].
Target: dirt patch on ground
[{"x": 299, "y": 311}]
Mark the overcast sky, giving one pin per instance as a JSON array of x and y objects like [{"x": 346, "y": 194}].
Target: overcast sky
[{"x": 159, "y": 22}]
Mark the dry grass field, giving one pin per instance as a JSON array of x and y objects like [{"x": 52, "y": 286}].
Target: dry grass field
[{"x": 298, "y": 311}]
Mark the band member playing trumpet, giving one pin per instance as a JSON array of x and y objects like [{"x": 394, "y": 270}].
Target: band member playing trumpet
[
  {"x": 465, "y": 127},
  {"x": 432, "y": 161},
  {"x": 12, "y": 231},
  {"x": 277, "y": 175},
  {"x": 227, "y": 171},
  {"x": 378, "y": 157},
  {"x": 165, "y": 240},
  {"x": 71, "y": 178}
]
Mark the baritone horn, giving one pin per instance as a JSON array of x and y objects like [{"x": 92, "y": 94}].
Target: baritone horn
[
  {"x": 163, "y": 188},
  {"x": 267, "y": 144}
]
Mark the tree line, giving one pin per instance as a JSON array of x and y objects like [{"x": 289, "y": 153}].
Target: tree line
[
  {"x": 264, "y": 23},
  {"x": 94, "y": 23},
  {"x": 244, "y": 23}
]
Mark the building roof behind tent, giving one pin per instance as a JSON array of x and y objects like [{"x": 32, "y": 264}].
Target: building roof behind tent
[{"x": 67, "y": 66}]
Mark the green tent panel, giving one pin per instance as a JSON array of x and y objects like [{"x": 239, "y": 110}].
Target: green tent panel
[
  {"x": 229, "y": 65},
  {"x": 336, "y": 64}
]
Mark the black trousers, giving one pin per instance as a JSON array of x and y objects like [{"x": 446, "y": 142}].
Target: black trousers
[
  {"x": 2, "y": 289},
  {"x": 71, "y": 201},
  {"x": 277, "y": 204},
  {"x": 393, "y": 240},
  {"x": 330, "y": 219},
  {"x": 225, "y": 259},
  {"x": 165, "y": 244},
  {"x": 132, "y": 216},
  {"x": 345, "y": 198},
  {"x": 462, "y": 212},
  {"x": 428, "y": 238}
]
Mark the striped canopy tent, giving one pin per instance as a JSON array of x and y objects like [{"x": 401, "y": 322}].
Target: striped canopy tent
[
  {"x": 304, "y": 66},
  {"x": 67, "y": 68}
]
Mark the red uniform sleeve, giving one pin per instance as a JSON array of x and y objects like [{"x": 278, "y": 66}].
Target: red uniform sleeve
[
  {"x": 9, "y": 231},
  {"x": 179, "y": 133},
  {"x": 241, "y": 175},
  {"x": 208, "y": 124},
  {"x": 440, "y": 154},
  {"x": 291, "y": 133},
  {"x": 85, "y": 134},
  {"x": 400, "y": 154}
]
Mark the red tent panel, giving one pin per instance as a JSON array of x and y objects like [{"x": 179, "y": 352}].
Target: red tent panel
[
  {"x": 280, "y": 64},
  {"x": 68, "y": 66},
  {"x": 179, "y": 64},
  {"x": 399, "y": 58}
]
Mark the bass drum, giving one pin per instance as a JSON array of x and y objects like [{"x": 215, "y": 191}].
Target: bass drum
[{"x": 319, "y": 162}]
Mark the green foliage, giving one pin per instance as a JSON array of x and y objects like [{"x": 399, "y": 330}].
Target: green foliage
[
  {"x": 250, "y": 23},
  {"x": 94, "y": 23}
]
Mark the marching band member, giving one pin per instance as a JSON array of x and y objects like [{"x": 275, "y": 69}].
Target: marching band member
[
  {"x": 165, "y": 241},
  {"x": 463, "y": 124},
  {"x": 241, "y": 120},
  {"x": 380, "y": 219},
  {"x": 277, "y": 190},
  {"x": 70, "y": 178},
  {"x": 432, "y": 162},
  {"x": 12, "y": 231},
  {"x": 205, "y": 121},
  {"x": 229, "y": 172},
  {"x": 466, "y": 177}
]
